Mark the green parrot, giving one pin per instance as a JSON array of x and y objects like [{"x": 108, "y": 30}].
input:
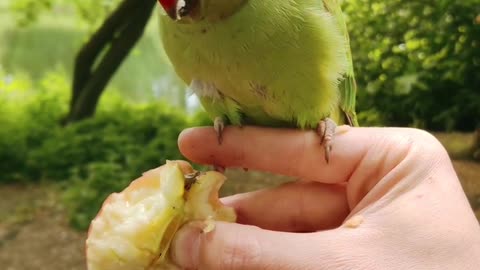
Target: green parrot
[{"x": 276, "y": 63}]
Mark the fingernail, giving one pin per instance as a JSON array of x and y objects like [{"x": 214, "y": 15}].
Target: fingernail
[{"x": 185, "y": 247}]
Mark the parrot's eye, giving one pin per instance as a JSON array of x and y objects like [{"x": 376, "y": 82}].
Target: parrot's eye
[
  {"x": 182, "y": 10},
  {"x": 185, "y": 8},
  {"x": 178, "y": 9}
]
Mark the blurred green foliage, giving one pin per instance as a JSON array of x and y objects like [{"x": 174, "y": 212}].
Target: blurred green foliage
[
  {"x": 27, "y": 118},
  {"x": 105, "y": 153},
  {"x": 94, "y": 157},
  {"x": 90, "y": 12},
  {"x": 417, "y": 62},
  {"x": 51, "y": 40}
]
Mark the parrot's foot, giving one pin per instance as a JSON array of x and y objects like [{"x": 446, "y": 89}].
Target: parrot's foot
[
  {"x": 326, "y": 130},
  {"x": 219, "y": 126}
]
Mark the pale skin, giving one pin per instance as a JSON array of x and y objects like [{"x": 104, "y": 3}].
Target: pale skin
[{"x": 388, "y": 199}]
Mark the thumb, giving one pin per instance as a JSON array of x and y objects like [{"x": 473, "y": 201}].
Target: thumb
[{"x": 234, "y": 246}]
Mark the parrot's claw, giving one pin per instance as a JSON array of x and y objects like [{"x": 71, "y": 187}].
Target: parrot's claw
[
  {"x": 326, "y": 130},
  {"x": 219, "y": 126}
]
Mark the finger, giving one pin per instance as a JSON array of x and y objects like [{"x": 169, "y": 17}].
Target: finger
[
  {"x": 294, "y": 152},
  {"x": 233, "y": 246},
  {"x": 293, "y": 207}
]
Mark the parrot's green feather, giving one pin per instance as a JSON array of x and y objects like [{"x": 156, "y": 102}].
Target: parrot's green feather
[
  {"x": 271, "y": 63},
  {"x": 348, "y": 87},
  {"x": 226, "y": 108}
]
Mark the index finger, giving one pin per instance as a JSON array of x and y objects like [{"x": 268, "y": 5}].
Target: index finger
[{"x": 299, "y": 153}]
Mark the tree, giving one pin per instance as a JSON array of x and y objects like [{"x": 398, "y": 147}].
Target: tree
[{"x": 102, "y": 55}]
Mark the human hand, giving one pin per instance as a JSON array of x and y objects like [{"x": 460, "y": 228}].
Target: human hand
[{"x": 389, "y": 199}]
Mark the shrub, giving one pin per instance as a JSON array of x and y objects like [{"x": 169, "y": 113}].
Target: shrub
[
  {"x": 101, "y": 155},
  {"x": 27, "y": 118},
  {"x": 417, "y": 62},
  {"x": 92, "y": 158},
  {"x": 133, "y": 137},
  {"x": 84, "y": 196}
]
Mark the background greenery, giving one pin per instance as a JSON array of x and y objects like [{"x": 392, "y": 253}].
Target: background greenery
[{"x": 417, "y": 62}]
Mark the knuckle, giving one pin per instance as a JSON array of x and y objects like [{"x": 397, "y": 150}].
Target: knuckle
[
  {"x": 242, "y": 253},
  {"x": 420, "y": 148},
  {"x": 304, "y": 154},
  {"x": 427, "y": 143}
]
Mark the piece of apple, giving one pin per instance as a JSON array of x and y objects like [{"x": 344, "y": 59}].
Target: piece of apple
[{"x": 135, "y": 227}]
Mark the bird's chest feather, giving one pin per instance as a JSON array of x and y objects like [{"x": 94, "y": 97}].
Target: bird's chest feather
[
  {"x": 244, "y": 58},
  {"x": 241, "y": 68}
]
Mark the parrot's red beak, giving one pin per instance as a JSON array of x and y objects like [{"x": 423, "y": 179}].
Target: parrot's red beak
[{"x": 170, "y": 6}]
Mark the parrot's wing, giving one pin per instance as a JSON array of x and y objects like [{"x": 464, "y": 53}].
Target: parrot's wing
[{"x": 348, "y": 87}]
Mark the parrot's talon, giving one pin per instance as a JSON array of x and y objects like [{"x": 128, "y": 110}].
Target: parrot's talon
[
  {"x": 322, "y": 131},
  {"x": 219, "y": 126},
  {"x": 326, "y": 130},
  {"x": 328, "y": 150}
]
